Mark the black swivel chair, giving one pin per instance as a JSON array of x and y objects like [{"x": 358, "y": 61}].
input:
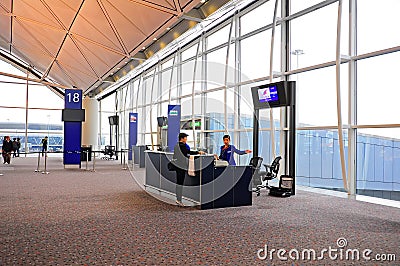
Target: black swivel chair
[
  {"x": 255, "y": 164},
  {"x": 109, "y": 151},
  {"x": 264, "y": 177}
]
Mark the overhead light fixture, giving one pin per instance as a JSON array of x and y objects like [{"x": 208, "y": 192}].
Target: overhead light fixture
[
  {"x": 143, "y": 47},
  {"x": 155, "y": 39},
  {"x": 118, "y": 68},
  {"x": 168, "y": 28},
  {"x": 203, "y": 1},
  {"x": 111, "y": 73}
]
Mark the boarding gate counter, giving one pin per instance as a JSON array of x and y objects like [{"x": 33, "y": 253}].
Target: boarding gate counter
[{"x": 211, "y": 187}]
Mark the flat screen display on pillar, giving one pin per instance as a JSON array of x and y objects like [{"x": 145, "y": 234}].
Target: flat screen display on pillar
[
  {"x": 270, "y": 95},
  {"x": 73, "y": 115}
]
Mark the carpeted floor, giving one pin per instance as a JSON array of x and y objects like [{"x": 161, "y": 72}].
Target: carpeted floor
[{"x": 73, "y": 217}]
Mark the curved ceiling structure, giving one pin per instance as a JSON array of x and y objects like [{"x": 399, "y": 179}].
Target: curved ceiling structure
[{"x": 79, "y": 43}]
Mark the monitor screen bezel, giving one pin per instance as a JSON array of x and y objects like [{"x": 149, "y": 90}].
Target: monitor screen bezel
[{"x": 282, "y": 96}]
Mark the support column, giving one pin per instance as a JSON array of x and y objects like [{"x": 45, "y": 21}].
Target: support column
[{"x": 91, "y": 125}]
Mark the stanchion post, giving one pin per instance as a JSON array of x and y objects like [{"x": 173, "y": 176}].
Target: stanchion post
[
  {"x": 38, "y": 164},
  {"x": 87, "y": 159},
  {"x": 45, "y": 164},
  {"x": 124, "y": 167},
  {"x": 94, "y": 161}
]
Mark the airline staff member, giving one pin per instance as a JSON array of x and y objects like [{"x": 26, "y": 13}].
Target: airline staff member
[
  {"x": 228, "y": 150},
  {"x": 182, "y": 153}
]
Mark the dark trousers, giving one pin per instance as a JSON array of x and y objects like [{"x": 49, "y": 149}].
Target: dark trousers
[
  {"x": 180, "y": 179},
  {"x": 7, "y": 157},
  {"x": 44, "y": 149}
]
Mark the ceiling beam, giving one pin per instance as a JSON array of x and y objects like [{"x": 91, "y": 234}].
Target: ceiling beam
[
  {"x": 34, "y": 80},
  {"x": 156, "y": 7},
  {"x": 114, "y": 29},
  {"x": 178, "y": 7},
  {"x": 63, "y": 41},
  {"x": 187, "y": 17}
]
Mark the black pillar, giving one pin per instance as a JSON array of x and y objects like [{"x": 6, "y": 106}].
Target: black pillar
[{"x": 256, "y": 127}]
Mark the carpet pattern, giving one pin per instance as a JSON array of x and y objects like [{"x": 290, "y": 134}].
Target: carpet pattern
[{"x": 74, "y": 217}]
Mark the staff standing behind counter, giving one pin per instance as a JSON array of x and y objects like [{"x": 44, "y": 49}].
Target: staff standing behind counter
[
  {"x": 182, "y": 154},
  {"x": 227, "y": 151}
]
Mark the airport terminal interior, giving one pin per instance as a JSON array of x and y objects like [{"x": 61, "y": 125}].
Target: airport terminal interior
[{"x": 199, "y": 132}]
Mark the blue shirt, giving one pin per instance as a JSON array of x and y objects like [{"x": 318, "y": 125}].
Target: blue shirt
[{"x": 227, "y": 154}]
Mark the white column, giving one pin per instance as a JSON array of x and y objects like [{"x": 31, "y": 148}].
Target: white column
[{"x": 91, "y": 125}]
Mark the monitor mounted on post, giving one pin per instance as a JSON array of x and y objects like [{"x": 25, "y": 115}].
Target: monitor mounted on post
[
  {"x": 113, "y": 120},
  {"x": 269, "y": 95}
]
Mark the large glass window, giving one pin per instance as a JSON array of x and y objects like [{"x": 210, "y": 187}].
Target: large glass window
[
  {"x": 313, "y": 37},
  {"x": 316, "y": 97},
  {"x": 259, "y": 17},
  {"x": 318, "y": 159},
  {"x": 219, "y": 37},
  {"x": 188, "y": 70},
  {"x": 376, "y": 22},
  {"x": 378, "y": 95},
  {"x": 378, "y": 160},
  {"x": 296, "y": 5},
  {"x": 255, "y": 55},
  {"x": 216, "y": 67},
  {"x": 38, "y": 93}
]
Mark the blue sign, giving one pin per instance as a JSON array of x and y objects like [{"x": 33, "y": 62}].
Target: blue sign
[
  {"x": 174, "y": 125},
  {"x": 133, "y": 129},
  {"x": 72, "y": 130},
  {"x": 73, "y": 99}
]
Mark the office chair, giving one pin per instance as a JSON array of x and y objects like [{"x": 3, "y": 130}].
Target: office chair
[
  {"x": 255, "y": 164},
  {"x": 109, "y": 151},
  {"x": 263, "y": 177}
]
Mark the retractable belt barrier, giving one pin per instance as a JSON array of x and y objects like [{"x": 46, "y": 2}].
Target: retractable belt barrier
[{"x": 93, "y": 152}]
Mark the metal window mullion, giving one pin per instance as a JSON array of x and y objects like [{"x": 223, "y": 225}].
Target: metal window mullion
[
  {"x": 179, "y": 78},
  {"x": 226, "y": 76},
  {"x": 151, "y": 107},
  {"x": 285, "y": 65},
  {"x": 236, "y": 107},
  {"x": 193, "y": 93},
  {"x": 338, "y": 98},
  {"x": 26, "y": 110},
  {"x": 100, "y": 131},
  {"x": 203, "y": 87},
  {"x": 352, "y": 132},
  {"x": 171, "y": 78},
  {"x": 143, "y": 87},
  {"x": 271, "y": 62}
]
